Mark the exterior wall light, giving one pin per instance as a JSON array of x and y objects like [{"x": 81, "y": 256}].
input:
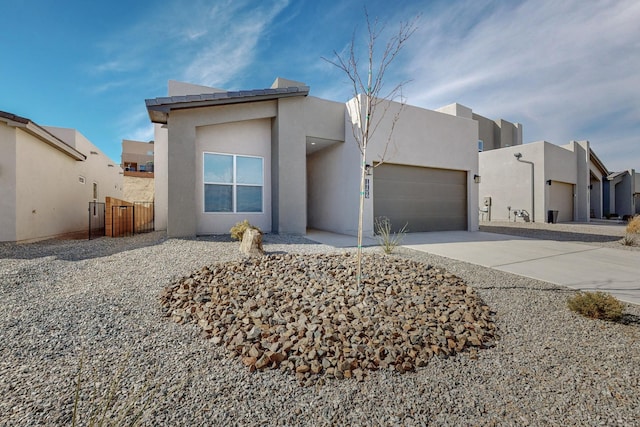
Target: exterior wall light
[
  {"x": 548, "y": 182},
  {"x": 476, "y": 178}
]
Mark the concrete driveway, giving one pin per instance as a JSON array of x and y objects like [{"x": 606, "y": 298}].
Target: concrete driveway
[{"x": 574, "y": 265}]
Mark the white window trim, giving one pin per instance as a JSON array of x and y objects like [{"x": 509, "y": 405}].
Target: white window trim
[{"x": 233, "y": 184}]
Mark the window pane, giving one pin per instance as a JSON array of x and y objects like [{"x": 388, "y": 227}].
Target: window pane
[
  {"x": 249, "y": 170},
  {"x": 217, "y": 198},
  {"x": 249, "y": 199},
  {"x": 218, "y": 168}
]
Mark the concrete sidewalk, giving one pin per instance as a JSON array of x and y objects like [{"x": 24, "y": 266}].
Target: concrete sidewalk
[{"x": 574, "y": 265}]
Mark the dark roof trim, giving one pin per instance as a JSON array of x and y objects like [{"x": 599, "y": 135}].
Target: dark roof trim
[
  {"x": 159, "y": 108},
  {"x": 42, "y": 134},
  {"x": 14, "y": 118},
  {"x": 614, "y": 175}
]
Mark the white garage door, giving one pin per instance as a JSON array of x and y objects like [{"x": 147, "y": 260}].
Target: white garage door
[
  {"x": 561, "y": 200},
  {"x": 426, "y": 199}
]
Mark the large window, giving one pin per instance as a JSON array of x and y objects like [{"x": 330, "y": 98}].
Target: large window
[{"x": 232, "y": 183}]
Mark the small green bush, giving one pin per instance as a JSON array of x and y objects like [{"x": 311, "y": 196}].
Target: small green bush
[
  {"x": 388, "y": 240},
  {"x": 237, "y": 231},
  {"x": 596, "y": 305}
]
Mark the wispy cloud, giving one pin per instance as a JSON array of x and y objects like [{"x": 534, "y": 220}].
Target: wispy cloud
[
  {"x": 202, "y": 42},
  {"x": 135, "y": 125},
  {"x": 230, "y": 47},
  {"x": 557, "y": 67}
]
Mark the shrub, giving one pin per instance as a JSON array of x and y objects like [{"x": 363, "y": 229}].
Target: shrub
[
  {"x": 628, "y": 240},
  {"x": 388, "y": 240},
  {"x": 110, "y": 401},
  {"x": 596, "y": 305},
  {"x": 633, "y": 227},
  {"x": 237, "y": 231}
]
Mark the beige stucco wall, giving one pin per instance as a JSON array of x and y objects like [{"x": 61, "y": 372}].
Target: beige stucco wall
[
  {"x": 183, "y": 189},
  {"x": 249, "y": 137},
  {"x": 420, "y": 138},
  {"x": 44, "y": 196},
  {"x": 430, "y": 139},
  {"x": 48, "y": 191},
  {"x": 161, "y": 176},
  {"x": 508, "y": 182},
  {"x": 7, "y": 183},
  {"x": 333, "y": 187}
]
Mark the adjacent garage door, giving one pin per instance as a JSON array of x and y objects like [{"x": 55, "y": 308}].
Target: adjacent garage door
[
  {"x": 426, "y": 199},
  {"x": 561, "y": 200}
]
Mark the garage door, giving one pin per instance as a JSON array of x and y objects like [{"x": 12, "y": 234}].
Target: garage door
[
  {"x": 426, "y": 199},
  {"x": 561, "y": 200}
]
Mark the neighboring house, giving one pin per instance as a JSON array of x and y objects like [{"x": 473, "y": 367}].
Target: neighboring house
[
  {"x": 137, "y": 156},
  {"x": 535, "y": 178},
  {"x": 492, "y": 134},
  {"x": 287, "y": 161},
  {"x": 636, "y": 194},
  {"x": 621, "y": 193},
  {"x": 48, "y": 176},
  {"x": 137, "y": 162}
]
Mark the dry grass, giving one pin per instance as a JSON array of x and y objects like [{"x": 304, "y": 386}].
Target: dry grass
[
  {"x": 237, "y": 231},
  {"x": 596, "y": 305},
  {"x": 633, "y": 227}
]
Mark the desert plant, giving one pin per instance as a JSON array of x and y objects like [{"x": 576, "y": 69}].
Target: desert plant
[
  {"x": 388, "y": 240},
  {"x": 237, "y": 231},
  {"x": 633, "y": 227},
  {"x": 370, "y": 101},
  {"x": 109, "y": 403},
  {"x": 596, "y": 305},
  {"x": 628, "y": 240}
]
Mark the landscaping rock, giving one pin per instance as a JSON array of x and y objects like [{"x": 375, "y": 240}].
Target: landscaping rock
[
  {"x": 304, "y": 314},
  {"x": 251, "y": 244}
]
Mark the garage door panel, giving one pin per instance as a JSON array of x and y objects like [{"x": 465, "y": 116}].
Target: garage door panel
[
  {"x": 561, "y": 200},
  {"x": 428, "y": 199}
]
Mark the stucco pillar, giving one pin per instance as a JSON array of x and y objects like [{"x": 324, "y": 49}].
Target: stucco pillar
[
  {"x": 181, "y": 164},
  {"x": 288, "y": 168},
  {"x": 583, "y": 179}
]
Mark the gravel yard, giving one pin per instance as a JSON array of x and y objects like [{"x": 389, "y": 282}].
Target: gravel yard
[{"x": 98, "y": 300}]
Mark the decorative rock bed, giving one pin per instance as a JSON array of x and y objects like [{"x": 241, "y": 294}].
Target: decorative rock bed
[{"x": 303, "y": 314}]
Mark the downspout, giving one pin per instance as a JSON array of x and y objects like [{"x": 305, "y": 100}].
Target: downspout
[{"x": 518, "y": 157}]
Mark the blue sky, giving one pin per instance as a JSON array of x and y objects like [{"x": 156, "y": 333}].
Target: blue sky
[{"x": 565, "y": 69}]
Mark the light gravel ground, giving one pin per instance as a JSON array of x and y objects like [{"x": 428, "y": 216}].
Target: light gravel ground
[{"x": 62, "y": 299}]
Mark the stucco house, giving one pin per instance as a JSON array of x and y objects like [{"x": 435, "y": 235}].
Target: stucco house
[
  {"x": 622, "y": 193},
  {"x": 48, "y": 176},
  {"x": 529, "y": 180},
  {"x": 287, "y": 161},
  {"x": 137, "y": 163}
]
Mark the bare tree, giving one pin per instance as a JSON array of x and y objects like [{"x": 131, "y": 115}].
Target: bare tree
[{"x": 370, "y": 102}]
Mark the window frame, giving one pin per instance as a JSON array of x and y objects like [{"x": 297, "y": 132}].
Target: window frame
[{"x": 233, "y": 184}]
